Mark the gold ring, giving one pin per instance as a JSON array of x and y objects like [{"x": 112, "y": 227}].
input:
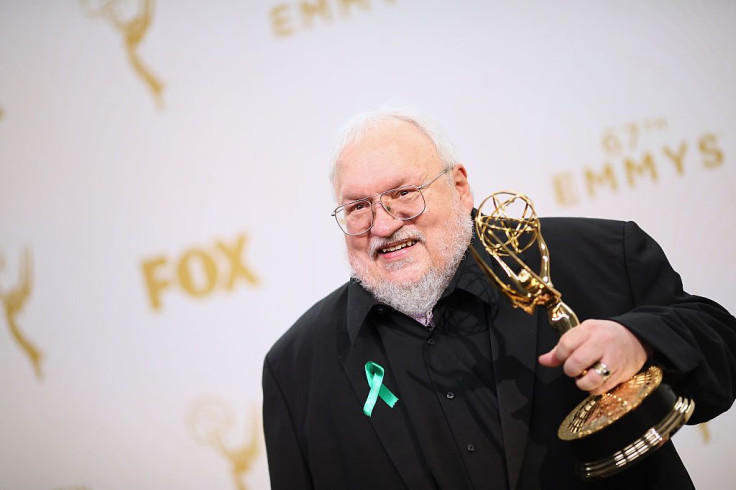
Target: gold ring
[{"x": 601, "y": 369}]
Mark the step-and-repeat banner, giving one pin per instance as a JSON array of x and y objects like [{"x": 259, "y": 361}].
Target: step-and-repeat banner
[{"x": 165, "y": 206}]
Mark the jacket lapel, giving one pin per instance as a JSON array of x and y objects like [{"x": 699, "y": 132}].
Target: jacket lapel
[
  {"x": 513, "y": 346},
  {"x": 391, "y": 424},
  {"x": 513, "y": 336}
]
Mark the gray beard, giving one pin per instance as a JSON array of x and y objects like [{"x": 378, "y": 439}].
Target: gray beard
[{"x": 416, "y": 299}]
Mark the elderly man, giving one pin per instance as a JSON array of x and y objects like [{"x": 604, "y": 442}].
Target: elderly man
[{"x": 418, "y": 374}]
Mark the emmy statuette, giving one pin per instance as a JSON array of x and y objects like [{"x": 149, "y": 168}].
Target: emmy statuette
[{"x": 608, "y": 432}]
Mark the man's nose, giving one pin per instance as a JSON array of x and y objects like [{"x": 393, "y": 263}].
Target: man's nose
[{"x": 384, "y": 225}]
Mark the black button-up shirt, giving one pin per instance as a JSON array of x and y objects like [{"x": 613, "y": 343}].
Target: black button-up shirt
[{"x": 446, "y": 384}]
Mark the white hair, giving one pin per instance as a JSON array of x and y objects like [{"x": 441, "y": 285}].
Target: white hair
[{"x": 358, "y": 125}]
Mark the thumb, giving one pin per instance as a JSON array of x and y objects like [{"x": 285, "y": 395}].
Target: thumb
[{"x": 550, "y": 359}]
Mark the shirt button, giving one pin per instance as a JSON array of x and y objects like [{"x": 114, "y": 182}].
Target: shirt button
[
  {"x": 470, "y": 448},
  {"x": 450, "y": 395},
  {"x": 380, "y": 309},
  {"x": 431, "y": 341}
]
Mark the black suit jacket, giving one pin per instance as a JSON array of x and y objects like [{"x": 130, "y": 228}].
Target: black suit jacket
[{"x": 314, "y": 382}]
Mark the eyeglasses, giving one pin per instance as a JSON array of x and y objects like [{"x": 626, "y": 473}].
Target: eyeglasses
[{"x": 403, "y": 203}]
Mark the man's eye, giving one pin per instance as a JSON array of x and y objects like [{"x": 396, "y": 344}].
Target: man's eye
[
  {"x": 356, "y": 207},
  {"x": 403, "y": 193}
]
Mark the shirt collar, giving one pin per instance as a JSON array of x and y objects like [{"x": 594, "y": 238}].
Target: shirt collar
[
  {"x": 360, "y": 303},
  {"x": 470, "y": 277}
]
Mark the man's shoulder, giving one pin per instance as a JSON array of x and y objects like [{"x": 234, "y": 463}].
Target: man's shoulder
[
  {"x": 325, "y": 318},
  {"x": 567, "y": 223},
  {"x": 584, "y": 231}
]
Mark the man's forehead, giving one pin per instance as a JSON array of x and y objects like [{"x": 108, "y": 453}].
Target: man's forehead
[
  {"x": 385, "y": 157},
  {"x": 357, "y": 181}
]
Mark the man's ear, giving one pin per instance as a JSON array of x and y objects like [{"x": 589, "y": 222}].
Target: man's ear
[{"x": 462, "y": 186}]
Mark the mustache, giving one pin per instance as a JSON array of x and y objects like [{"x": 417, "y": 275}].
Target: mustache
[{"x": 401, "y": 235}]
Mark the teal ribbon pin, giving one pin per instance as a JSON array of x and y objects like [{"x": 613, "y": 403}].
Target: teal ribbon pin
[{"x": 374, "y": 373}]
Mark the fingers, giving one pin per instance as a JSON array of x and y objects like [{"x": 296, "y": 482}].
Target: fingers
[
  {"x": 598, "y": 354},
  {"x": 568, "y": 352},
  {"x": 597, "y": 379},
  {"x": 550, "y": 359}
]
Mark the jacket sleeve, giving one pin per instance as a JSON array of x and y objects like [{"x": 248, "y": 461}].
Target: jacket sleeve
[
  {"x": 287, "y": 465},
  {"x": 693, "y": 338}
]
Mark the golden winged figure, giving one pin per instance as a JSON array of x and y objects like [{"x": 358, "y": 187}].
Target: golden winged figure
[
  {"x": 13, "y": 301},
  {"x": 210, "y": 418},
  {"x": 134, "y": 29}
]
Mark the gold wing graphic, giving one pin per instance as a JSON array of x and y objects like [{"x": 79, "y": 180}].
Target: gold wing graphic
[
  {"x": 13, "y": 302},
  {"x": 134, "y": 31},
  {"x": 210, "y": 419},
  {"x": 242, "y": 457},
  {"x": 705, "y": 432}
]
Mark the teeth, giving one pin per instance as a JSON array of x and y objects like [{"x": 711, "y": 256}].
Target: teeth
[{"x": 398, "y": 247}]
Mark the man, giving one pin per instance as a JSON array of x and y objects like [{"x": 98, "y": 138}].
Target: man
[{"x": 418, "y": 374}]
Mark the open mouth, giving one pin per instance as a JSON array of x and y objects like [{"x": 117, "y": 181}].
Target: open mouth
[{"x": 396, "y": 247}]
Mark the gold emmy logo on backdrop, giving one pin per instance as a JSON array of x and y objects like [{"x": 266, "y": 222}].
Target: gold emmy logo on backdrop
[
  {"x": 634, "y": 154},
  {"x": 13, "y": 301},
  {"x": 133, "y": 28},
  {"x": 608, "y": 432},
  {"x": 705, "y": 432},
  {"x": 211, "y": 421},
  {"x": 288, "y": 18}
]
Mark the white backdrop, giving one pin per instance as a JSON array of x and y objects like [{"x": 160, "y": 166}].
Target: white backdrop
[{"x": 164, "y": 202}]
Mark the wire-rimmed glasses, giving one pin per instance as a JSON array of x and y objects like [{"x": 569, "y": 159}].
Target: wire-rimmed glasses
[{"x": 403, "y": 203}]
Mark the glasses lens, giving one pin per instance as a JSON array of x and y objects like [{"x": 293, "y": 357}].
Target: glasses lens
[
  {"x": 355, "y": 218},
  {"x": 404, "y": 203}
]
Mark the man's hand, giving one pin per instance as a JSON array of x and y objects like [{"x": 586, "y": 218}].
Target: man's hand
[{"x": 595, "y": 341}]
